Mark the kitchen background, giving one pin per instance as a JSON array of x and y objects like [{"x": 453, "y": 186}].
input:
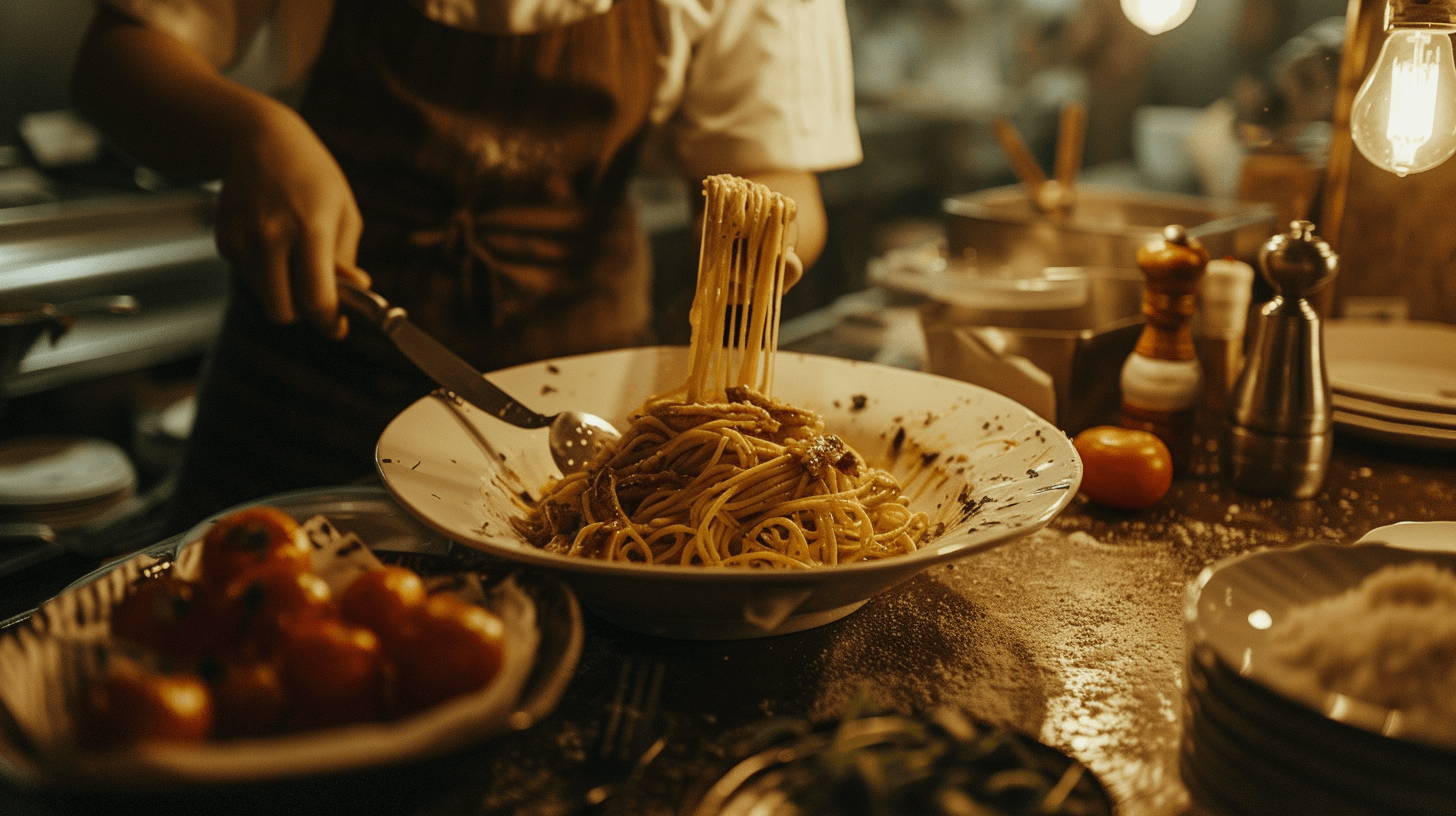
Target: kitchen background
[{"x": 1223, "y": 105}]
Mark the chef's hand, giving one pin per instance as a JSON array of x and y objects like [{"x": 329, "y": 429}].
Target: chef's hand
[
  {"x": 286, "y": 217},
  {"x": 288, "y": 223},
  {"x": 793, "y": 268}
]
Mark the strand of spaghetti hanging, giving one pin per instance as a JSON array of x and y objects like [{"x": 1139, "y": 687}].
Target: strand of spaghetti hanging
[{"x": 737, "y": 305}]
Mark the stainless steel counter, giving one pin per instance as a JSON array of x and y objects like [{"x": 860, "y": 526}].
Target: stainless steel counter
[{"x": 154, "y": 247}]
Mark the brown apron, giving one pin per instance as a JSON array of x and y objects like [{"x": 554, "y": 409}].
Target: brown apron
[{"x": 491, "y": 174}]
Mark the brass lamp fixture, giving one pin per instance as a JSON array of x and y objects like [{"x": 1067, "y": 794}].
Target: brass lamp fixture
[{"x": 1403, "y": 119}]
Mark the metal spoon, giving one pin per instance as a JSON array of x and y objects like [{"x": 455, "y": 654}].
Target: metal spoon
[
  {"x": 573, "y": 437},
  {"x": 576, "y": 437}
]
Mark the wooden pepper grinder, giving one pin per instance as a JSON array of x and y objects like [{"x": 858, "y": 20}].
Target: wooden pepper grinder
[{"x": 1162, "y": 382}]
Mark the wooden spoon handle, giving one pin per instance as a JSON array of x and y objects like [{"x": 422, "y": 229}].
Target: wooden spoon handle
[
  {"x": 1021, "y": 158},
  {"x": 1071, "y": 133}
]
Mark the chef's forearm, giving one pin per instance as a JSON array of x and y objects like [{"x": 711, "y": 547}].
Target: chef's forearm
[{"x": 163, "y": 103}]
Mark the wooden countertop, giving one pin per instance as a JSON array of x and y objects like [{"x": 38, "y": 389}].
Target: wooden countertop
[{"x": 1073, "y": 634}]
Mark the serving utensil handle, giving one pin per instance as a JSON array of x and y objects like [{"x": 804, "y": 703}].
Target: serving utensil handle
[{"x": 369, "y": 305}]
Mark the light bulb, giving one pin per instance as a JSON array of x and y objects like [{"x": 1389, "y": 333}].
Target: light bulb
[
  {"x": 1404, "y": 117},
  {"x": 1157, "y": 16}
]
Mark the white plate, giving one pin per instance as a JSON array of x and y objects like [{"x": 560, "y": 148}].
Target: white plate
[
  {"x": 1435, "y": 536},
  {"x": 1410, "y": 364},
  {"x": 922, "y": 271},
  {"x": 1234, "y": 603},
  {"x": 1440, "y": 420},
  {"x": 1395, "y": 433},
  {"x": 1239, "y": 772},
  {"x": 986, "y": 468},
  {"x": 41, "y": 675},
  {"x": 61, "y": 470},
  {"x": 1300, "y": 744}
]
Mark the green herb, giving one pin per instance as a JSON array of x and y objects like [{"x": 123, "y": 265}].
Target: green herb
[{"x": 873, "y": 764}]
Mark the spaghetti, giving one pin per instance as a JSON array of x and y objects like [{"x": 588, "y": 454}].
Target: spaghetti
[
  {"x": 716, "y": 472},
  {"x": 735, "y": 312}
]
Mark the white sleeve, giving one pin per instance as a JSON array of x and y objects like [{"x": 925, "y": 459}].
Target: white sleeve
[
  {"x": 767, "y": 85},
  {"x": 219, "y": 30},
  {"x": 222, "y": 31}
]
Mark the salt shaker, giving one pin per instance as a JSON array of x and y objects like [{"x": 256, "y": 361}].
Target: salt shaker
[
  {"x": 1218, "y": 329},
  {"x": 1162, "y": 380},
  {"x": 1280, "y": 415}
]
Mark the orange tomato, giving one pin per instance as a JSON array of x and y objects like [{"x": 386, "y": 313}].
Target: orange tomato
[
  {"x": 333, "y": 673},
  {"x": 259, "y": 606},
  {"x": 130, "y": 704},
  {"x": 455, "y": 647},
  {"x": 271, "y": 649},
  {"x": 1123, "y": 468},
  {"x": 385, "y": 601},
  {"x": 247, "y": 696},
  {"x": 165, "y": 614},
  {"x": 249, "y": 538}
]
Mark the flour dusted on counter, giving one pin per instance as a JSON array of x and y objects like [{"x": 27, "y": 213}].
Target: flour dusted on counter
[{"x": 1059, "y": 634}]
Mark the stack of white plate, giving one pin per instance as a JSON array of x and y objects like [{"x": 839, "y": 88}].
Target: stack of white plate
[
  {"x": 63, "y": 482},
  {"x": 1251, "y": 745},
  {"x": 1394, "y": 381}
]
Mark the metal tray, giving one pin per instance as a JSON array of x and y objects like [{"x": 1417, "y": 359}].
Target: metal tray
[{"x": 999, "y": 228}]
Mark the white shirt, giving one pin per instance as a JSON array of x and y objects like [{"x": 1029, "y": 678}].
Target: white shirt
[{"x": 745, "y": 85}]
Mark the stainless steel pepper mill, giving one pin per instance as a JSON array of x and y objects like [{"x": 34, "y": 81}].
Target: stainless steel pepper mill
[{"x": 1280, "y": 415}]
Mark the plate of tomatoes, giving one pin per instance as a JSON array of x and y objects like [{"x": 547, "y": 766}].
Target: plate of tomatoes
[{"x": 309, "y": 633}]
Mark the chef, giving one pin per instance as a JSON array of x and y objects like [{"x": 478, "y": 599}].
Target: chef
[{"x": 471, "y": 156}]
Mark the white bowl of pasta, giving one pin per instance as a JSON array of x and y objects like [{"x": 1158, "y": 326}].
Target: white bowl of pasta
[{"x": 973, "y": 469}]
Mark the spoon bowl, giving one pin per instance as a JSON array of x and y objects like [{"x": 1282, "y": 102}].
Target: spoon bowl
[{"x": 575, "y": 438}]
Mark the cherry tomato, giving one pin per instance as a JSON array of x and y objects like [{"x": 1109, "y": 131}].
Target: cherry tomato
[
  {"x": 247, "y": 695},
  {"x": 333, "y": 673},
  {"x": 165, "y": 614},
  {"x": 455, "y": 647},
  {"x": 130, "y": 703},
  {"x": 261, "y": 605},
  {"x": 1123, "y": 468},
  {"x": 246, "y": 539},
  {"x": 385, "y": 601}
]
